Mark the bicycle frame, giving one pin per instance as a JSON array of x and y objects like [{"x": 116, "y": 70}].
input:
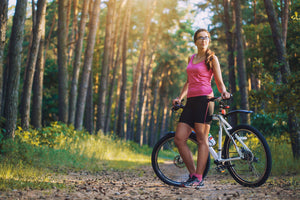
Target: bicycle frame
[{"x": 223, "y": 124}]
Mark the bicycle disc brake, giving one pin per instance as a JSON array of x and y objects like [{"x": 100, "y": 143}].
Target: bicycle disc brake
[{"x": 178, "y": 162}]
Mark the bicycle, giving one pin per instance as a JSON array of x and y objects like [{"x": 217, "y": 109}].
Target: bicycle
[{"x": 245, "y": 152}]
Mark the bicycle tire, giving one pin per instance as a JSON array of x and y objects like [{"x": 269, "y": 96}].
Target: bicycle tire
[
  {"x": 254, "y": 169},
  {"x": 167, "y": 163}
]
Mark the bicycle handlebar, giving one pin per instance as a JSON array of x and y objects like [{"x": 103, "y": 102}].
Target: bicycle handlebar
[
  {"x": 217, "y": 99},
  {"x": 177, "y": 106}
]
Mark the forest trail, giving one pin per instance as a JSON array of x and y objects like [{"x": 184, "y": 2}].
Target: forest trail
[{"x": 143, "y": 184}]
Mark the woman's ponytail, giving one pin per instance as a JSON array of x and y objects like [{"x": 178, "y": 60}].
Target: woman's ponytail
[{"x": 209, "y": 56}]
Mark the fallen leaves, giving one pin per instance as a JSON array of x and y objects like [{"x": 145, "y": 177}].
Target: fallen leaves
[{"x": 142, "y": 184}]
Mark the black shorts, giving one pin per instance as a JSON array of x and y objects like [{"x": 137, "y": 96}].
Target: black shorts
[{"x": 197, "y": 110}]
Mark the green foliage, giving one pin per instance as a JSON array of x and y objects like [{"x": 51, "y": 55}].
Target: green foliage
[
  {"x": 50, "y": 96},
  {"x": 290, "y": 94},
  {"x": 268, "y": 125},
  {"x": 272, "y": 92},
  {"x": 50, "y": 136}
]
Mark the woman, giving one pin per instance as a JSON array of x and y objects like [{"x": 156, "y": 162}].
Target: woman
[{"x": 197, "y": 113}]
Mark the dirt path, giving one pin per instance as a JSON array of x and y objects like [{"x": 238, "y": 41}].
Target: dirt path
[{"x": 142, "y": 184}]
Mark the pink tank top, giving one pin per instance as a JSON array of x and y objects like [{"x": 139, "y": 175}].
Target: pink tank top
[{"x": 199, "y": 79}]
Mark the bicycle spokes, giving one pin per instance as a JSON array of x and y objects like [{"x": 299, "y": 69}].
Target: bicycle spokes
[{"x": 254, "y": 165}]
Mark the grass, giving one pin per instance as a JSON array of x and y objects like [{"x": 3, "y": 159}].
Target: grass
[
  {"x": 34, "y": 156},
  {"x": 114, "y": 153},
  {"x": 282, "y": 156},
  {"x": 22, "y": 176}
]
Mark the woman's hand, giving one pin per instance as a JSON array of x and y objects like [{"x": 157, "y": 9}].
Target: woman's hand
[
  {"x": 176, "y": 101},
  {"x": 225, "y": 95}
]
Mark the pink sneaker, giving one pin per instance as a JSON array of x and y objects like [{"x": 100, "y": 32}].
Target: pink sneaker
[{"x": 193, "y": 182}]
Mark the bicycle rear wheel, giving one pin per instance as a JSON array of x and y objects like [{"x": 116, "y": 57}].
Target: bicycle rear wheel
[
  {"x": 167, "y": 163},
  {"x": 254, "y": 168}
]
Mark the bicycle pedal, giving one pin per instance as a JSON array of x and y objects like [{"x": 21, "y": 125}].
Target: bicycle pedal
[{"x": 220, "y": 169}]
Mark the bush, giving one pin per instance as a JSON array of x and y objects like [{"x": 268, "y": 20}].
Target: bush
[
  {"x": 50, "y": 136},
  {"x": 269, "y": 126}
]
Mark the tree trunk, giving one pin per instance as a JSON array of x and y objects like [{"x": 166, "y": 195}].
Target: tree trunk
[
  {"x": 3, "y": 27},
  {"x": 145, "y": 99},
  {"x": 147, "y": 118},
  {"x": 164, "y": 89},
  {"x": 105, "y": 68},
  {"x": 77, "y": 62},
  {"x": 277, "y": 39},
  {"x": 13, "y": 79},
  {"x": 49, "y": 34},
  {"x": 152, "y": 133},
  {"x": 68, "y": 14},
  {"x": 88, "y": 59},
  {"x": 117, "y": 69},
  {"x": 164, "y": 115},
  {"x": 121, "y": 125},
  {"x": 89, "y": 111},
  {"x": 62, "y": 61},
  {"x": 112, "y": 84},
  {"x": 158, "y": 124},
  {"x": 293, "y": 120},
  {"x": 254, "y": 12},
  {"x": 37, "y": 98},
  {"x": 141, "y": 105},
  {"x": 30, "y": 69},
  {"x": 69, "y": 51},
  {"x": 34, "y": 13},
  {"x": 137, "y": 74},
  {"x": 115, "y": 65},
  {"x": 230, "y": 58},
  {"x": 74, "y": 33},
  {"x": 241, "y": 63},
  {"x": 285, "y": 20},
  {"x": 31, "y": 33},
  {"x": 117, "y": 101}
]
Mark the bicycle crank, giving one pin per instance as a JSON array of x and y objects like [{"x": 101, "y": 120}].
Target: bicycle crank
[{"x": 220, "y": 168}]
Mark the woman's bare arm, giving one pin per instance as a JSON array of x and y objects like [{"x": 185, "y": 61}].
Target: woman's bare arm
[{"x": 218, "y": 78}]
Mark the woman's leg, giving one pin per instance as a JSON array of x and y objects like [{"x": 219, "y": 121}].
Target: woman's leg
[
  {"x": 183, "y": 132},
  {"x": 202, "y": 131}
]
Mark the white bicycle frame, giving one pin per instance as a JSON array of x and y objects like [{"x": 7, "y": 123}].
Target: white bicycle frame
[{"x": 223, "y": 124}]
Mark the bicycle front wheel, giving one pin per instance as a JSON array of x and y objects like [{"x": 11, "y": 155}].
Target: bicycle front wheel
[
  {"x": 255, "y": 163},
  {"x": 167, "y": 163}
]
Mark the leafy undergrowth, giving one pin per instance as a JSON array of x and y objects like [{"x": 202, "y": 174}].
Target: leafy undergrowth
[
  {"x": 283, "y": 161},
  {"x": 33, "y": 156}
]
